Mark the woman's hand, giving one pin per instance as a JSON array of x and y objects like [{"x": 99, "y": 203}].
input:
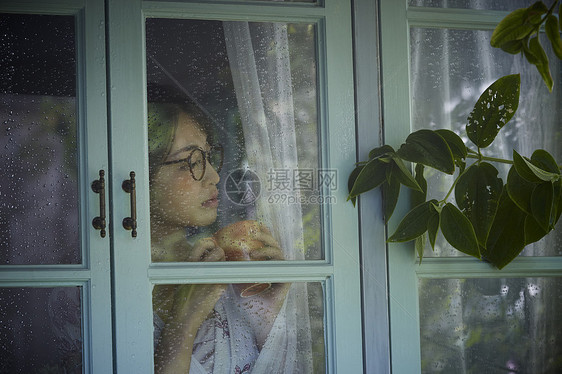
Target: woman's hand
[
  {"x": 184, "y": 308},
  {"x": 252, "y": 241},
  {"x": 248, "y": 241},
  {"x": 206, "y": 250}
]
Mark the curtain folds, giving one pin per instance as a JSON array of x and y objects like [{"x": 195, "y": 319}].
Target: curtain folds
[{"x": 261, "y": 72}]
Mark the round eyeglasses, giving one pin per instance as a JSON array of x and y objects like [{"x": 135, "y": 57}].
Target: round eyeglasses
[{"x": 197, "y": 159}]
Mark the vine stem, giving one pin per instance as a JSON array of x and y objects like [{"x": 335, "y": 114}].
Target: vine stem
[
  {"x": 452, "y": 187},
  {"x": 481, "y": 157}
]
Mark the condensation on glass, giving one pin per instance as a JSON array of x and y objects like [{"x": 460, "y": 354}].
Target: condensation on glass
[
  {"x": 507, "y": 5},
  {"x": 509, "y": 325},
  {"x": 38, "y": 141},
  {"x": 239, "y": 330},
  {"x": 449, "y": 70},
  {"x": 241, "y": 96},
  {"x": 41, "y": 330}
]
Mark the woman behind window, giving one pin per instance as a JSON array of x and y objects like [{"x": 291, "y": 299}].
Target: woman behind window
[{"x": 207, "y": 328}]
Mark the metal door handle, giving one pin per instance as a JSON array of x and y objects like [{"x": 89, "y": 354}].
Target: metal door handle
[
  {"x": 130, "y": 223},
  {"x": 98, "y": 186}
]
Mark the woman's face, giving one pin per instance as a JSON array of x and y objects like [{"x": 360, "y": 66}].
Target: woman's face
[{"x": 176, "y": 199}]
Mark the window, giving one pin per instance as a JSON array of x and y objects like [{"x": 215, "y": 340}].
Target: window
[
  {"x": 451, "y": 313},
  {"x": 88, "y": 124}
]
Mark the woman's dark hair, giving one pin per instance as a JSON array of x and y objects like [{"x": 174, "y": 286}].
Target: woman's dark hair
[{"x": 165, "y": 103}]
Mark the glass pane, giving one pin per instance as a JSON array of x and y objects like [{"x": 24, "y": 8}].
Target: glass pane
[
  {"x": 491, "y": 325},
  {"x": 41, "y": 330},
  {"x": 240, "y": 328},
  {"x": 38, "y": 144},
  {"x": 474, "y": 4},
  {"x": 233, "y": 141},
  {"x": 450, "y": 69}
]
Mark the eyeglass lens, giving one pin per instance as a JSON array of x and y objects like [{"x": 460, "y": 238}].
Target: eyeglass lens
[{"x": 198, "y": 158}]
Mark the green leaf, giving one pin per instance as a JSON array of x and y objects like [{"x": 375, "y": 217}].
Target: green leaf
[
  {"x": 507, "y": 235},
  {"x": 518, "y": 24},
  {"x": 529, "y": 55},
  {"x": 526, "y": 169},
  {"x": 477, "y": 193},
  {"x": 418, "y": 197},
  {"x": 553, "y": 33},
  {"x": 458, "y": 149},
  {"x": 420, "y": 246},
  {"x": 537, "y": 50},
  {"x": 519, "y": 190},
  {"x": 541, "y": 204},
  {"x": 432, "y": 228},
  {"x": 372, "y": 175},
  {"x": 380, "y": 151},
  {"x": 428, "y": 148},
  {"x": 513, "y": 47},
  {"x": 545, "y": 161},
  {"x": 535, "y": 12},
  {"x": 557, "y": 203},
  {"x": 414, "y": 223},
  {"x": 351, "y": 181},
  {"x": 510, "y": 28},
  {"x": 390, "y": 192},
  {"x": 533, "y": 231},
  {"x": 458, "y": 230},
  {"x": 403, "y": 174},
  {"x": 495, "y": 107}
]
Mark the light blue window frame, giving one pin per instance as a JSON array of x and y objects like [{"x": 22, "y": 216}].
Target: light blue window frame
[
  {"x": 92, "y": 274},
  {"x": 116, "y": 275},
  {"x": 404, "y": 271},
  {"x": 135, "y": 275}
]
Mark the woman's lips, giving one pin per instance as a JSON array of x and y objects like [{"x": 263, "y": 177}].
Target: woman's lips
[{"x": 213, "y": 202}]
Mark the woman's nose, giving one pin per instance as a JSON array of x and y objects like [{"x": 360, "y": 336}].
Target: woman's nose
[{"x": 211, "y": 174}]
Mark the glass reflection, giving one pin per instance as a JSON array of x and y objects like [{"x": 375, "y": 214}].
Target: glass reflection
[
  {"x": 41, "y": 330},
  {"x": 240, "y": 96},
  {"x": 217, "y": 329},
  {"x": 180, "y": 199},
  {"x": 474, "y": 4},
  {"x": 253, "y": 86},
  {"x": 491, "y": 325},
  {"x": 38, "y": 141}
]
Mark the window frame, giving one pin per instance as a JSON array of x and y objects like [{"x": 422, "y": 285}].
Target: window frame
[
  {"x": 91, "y": 108},
  {"x": 338, "y": 271},
  {"x": 404, "y": 268}
]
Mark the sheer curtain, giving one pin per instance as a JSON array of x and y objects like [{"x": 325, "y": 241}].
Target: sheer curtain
[{"x": 263, "y": 87}]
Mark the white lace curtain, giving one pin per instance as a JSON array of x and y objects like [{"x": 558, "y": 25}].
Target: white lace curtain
[{"x": 264, "y": 94}]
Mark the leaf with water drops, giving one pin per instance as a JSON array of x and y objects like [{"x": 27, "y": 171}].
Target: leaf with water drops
[{"x": 493, "y": 110}]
